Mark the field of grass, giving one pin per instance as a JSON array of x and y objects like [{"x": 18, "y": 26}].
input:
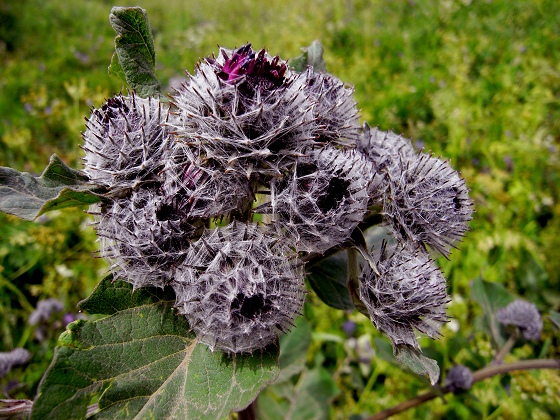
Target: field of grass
[{"x": 476, "y": 82}]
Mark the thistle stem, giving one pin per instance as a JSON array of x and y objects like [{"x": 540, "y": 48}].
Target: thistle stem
[
  {"x": 352, "y": 281},
  {"x": 499, "y": 358},
  {"x": 479, "y": 375}
]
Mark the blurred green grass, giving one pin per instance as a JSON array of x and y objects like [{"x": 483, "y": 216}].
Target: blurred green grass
[{"x": 477, "y": 82}]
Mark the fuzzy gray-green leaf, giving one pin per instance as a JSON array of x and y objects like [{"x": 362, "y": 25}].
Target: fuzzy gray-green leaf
[
  {"x": 312, "y": 56},
  {"x": 59, "y": 186},
  {"x": 417, "y": 362},
  {"x": 134, "y": 46}
]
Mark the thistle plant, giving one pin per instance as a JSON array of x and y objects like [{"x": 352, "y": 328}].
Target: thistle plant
[{"x": 212, "y": 202}]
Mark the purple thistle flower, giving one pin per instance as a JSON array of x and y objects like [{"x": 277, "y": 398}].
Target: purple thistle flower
[
  {"x": 258, "y": 68},
  {"x": 44, "y": 310},
  {"x": 16, "y": 357},
  {"x": 523, "y": 315}
]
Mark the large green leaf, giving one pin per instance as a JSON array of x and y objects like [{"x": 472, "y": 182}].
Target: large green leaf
[
  {"x": 328, "y": 278},
  {"x": 491, "y": 297},
  {"x": 142, "y": 361},
  {"x": 309, "y": 398},
  {"x": 293, "y": 350},
  {"x": 311, "y": 56},
  {"x": 59, "y": 186},
  {"x": 134, "y": 48}
]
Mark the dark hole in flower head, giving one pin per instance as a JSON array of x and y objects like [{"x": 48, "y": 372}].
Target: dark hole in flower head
[
  {"x": 164, "y": 212},
  {"x": 336, "y": 191},
  {"x": 457, "y": 202},
  {"x": 250, "y": 307}
]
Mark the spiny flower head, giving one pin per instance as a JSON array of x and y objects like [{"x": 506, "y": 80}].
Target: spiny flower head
[
  {"x": 243, "y": 125},
  {"x": 239, "y": 288},
  {"x": 427, "y": 203},
  {"x": 335, "y": 110},
  {"x": 143, "y": 237},
  {"x": 124, "y": 142},
  {"x": 523, "y": 315},
  {"x": 199, "y": 189},
  {"x": 322, "y": 199},
  {"x": 407, "y": 293}
]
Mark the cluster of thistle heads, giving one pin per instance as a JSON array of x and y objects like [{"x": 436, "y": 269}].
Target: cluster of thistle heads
[{"x": 251, "y": 169}]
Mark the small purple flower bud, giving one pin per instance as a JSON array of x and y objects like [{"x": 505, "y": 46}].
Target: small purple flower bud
[
  {"x": 258, "y": 68},
  {"x": 523, "y": 315},
  {"x": 349, "y": 328},
  {"x": 459, "y": 378},
  {"x": 16, "y": 357}
]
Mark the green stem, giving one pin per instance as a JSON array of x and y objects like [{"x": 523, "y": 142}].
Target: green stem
[
  {"x": 479, "y": 375},
  {"x": 353, "y": 280},
  {"x": 21, "y": 297}
]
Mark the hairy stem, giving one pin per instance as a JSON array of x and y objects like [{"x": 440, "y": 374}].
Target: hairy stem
[{"x": 479, "y": 375}]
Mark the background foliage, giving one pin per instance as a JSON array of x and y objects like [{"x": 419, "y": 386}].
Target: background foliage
[{"x": 476, "y": 82}]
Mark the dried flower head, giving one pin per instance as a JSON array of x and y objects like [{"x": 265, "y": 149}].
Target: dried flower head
[
  {"x": 16, "y": 357},
  {"x": 335, "y": 110},
  {"x": 386, "y": 150},
  {"x": 408, "y": 293},
  {"x": 239, "y": 288},
  {"x": 199, "y": 189},
  {"x": 124, "y": 142},
  {"x": 427, "y": 203},
  {"x": 143, "y": 237},
  {"x": 324, "y": 197},
  {"x": 388, "y": 153},
  {"x": 523, "y": 315},
  {"x": 459, "y": 378}
]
